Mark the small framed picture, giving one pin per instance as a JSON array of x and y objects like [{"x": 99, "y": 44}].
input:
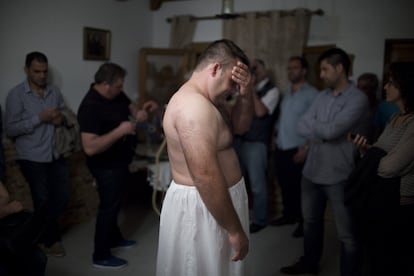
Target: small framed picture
[{"x": 96, "y": 44}]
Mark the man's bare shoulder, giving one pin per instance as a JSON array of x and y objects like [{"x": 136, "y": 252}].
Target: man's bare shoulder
[{"x": 188, "y": 102}]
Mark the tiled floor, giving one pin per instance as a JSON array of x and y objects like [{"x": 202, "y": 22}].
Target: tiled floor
[{"x": 270, "y": 248}]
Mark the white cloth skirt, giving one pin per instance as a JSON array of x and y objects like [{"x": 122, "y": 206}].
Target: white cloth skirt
[{"x": 191, "y": 242}]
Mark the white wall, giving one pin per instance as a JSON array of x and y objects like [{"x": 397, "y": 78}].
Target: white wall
[
  {"x": 360, "y": 27},
  {"x": 55, "y": 27}
]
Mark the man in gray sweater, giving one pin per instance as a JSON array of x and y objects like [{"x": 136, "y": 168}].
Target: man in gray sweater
[{"x": 335, "y": 112}]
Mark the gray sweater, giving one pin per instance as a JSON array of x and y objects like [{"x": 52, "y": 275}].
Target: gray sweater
[{"x": 326, "y": 125}]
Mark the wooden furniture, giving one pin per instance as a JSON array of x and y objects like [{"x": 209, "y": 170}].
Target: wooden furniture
[{"x": 397, "y": 50}]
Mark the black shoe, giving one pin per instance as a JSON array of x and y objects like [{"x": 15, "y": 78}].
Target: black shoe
[
  {"x": 282, "y": 221},
  {"x": 298, "y": 231},
  {"x": 256, "y": 227},
  {"x": 300, "y": 268}
]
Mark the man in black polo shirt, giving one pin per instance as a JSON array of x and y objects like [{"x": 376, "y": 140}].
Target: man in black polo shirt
[{"x": 107, "y": 134}]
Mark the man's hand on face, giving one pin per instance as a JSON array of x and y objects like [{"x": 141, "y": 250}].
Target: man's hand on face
[{"x": 241, "y": 75}]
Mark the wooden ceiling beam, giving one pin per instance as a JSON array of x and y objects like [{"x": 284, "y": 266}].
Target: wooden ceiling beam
[{"x": 155, "y": 4}]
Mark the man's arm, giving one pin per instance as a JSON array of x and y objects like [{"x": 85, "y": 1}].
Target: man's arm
[
  {"x": 242, "y": 112},
  {"x": 4, "y": 195},
  {"x": 307, "y": 121},
  {"x": 302, "y": 152},
  {"x": 200, "y": 148},
  {"x": 267, "y": 104},
  {"x": 353, "y": 111},
  {"x": 59, "y": 118},
  {"x": 94, "y": 144},
  {"x": 141, "y": 114},
  {"x": 17, "y": 125},
  {"x": 260, "y": 109},
  {"x": 6, "y": 207},
  {"x": 2, "y": 157},
  {"x": 399, "y": 160}
]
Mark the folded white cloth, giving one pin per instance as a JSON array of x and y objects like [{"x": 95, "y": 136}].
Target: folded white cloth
[{"x": 164, "y": 178}]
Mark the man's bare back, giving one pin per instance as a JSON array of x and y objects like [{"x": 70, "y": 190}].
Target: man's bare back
[{"x": 193, "y": 125}]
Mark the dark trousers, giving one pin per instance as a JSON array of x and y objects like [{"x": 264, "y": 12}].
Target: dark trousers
[
  {"x": 289, "y": 175},
  {"x": 390, "y": 243},
  {"x": 405, "y": 240},
  {"x": 111, "y": 184},
  {"x": 49, "y": 186},
  {"x": 30, "y": 263}
]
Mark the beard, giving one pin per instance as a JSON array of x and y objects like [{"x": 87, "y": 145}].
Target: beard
[
  {"x": 329, "y": 84},
  {"x": 39, "y": 83},
  {"x": 295, "y": 79}
]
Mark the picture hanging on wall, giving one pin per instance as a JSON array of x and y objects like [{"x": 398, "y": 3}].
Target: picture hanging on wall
[
  {"x": 162, "y": 72},
  {"x": 96, "y": 44}
]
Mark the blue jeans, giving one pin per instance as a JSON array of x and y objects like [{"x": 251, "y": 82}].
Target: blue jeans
[
  {"x": 49, "y": 186},
  {"x": 253, "y": 159},
  {"x": 111, "y": 184},
  {"x": 314, "y": 200}
]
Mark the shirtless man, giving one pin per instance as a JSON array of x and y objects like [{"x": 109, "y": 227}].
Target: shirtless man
[{"x": 204, "y": 219}]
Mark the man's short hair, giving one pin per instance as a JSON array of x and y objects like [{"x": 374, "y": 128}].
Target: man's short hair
[
  {"x": 302, "y": 60},
  {"x": 335, "y": 56},
  {"x": 40, "y": 57},
  {"x": 109, "y": 72},
  {"x": 222, "y": 51}
]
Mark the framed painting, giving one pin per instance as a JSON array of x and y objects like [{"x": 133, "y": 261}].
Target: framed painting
[
  {"x": 96, "y": 44},
  {"x": 161, "y": 73},
  {"x": 196, "y": 49}
]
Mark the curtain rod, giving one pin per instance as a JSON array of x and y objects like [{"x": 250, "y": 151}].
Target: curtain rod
[{"x": 225, "y": 16}]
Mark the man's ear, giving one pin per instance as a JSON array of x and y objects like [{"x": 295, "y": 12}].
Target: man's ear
[
  {"x": 215, "y": 67},
  {"x": 105, "y": 85},
  {"x": 339, "y": 68}
]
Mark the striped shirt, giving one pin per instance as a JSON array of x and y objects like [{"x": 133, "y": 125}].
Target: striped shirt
[{"x": 398, "y": 142}]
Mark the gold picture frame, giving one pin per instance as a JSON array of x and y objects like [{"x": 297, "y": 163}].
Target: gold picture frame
[
  {"x": 96, "y": 44},
  {"x": 161, "y": 73}
]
